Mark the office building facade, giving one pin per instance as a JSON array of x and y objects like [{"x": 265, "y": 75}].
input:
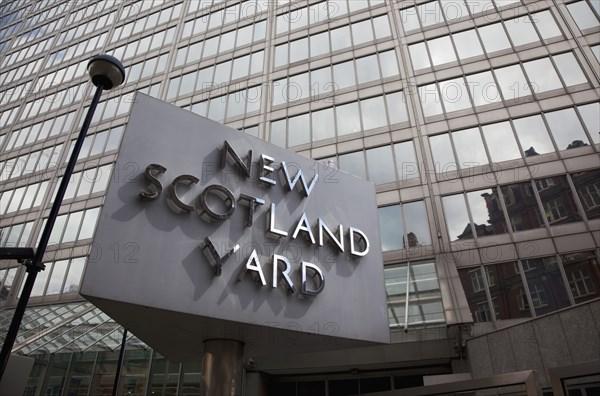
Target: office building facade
[{"x": 478, "y": 121}]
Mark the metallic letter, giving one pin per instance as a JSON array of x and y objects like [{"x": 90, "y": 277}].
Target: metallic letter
[
  {"x": 253, "y": 267},
  {"x": 362, "y": 236},
  {"x": 263, "y": 164},
  {"x": 305, "y": 227},
  {"x": 245, "y": 168},
  {"x": 152, "y": 171},
  {"x": 213, "y": 257},
  {"x": 189, "y": 179},
  {"x": 316, "y": 274},
  {"x": 272, "y": 231},
  {"x": 252, "y": 203},
  {"x": 286, "y": 273},
  {"x": 338, "y": 241},
  {"x": 227, "y": 197},
  {"x": 292, "y": 183}
]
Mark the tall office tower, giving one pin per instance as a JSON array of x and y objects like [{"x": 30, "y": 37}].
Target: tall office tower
[{"x": 477, "y": 120}]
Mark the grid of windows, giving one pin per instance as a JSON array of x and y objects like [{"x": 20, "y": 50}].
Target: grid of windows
[
  {"x": 340, "y": 38},
  {"x": 144, "y": 44},
  {"x": 146, "y": 22},
  {"x": 35, "y": 161},
  {"x": 72, "y": 227},
  {"x": 507, "y": 83},
  {"x": 545, "y": 290},
  {"x": 16, "y": 235},
  {"x": 515, "y": 139},
  {"x": 404, "y": 226},
  {"x": 328, "y": 80},
  {"x": 434, "y": 12},
  {"x": 585, "y": 13},
  {"x": 342, "y": 119},
  {"x": 488, "y": 39},
  {"x": 59, "y": 277},
  {"x": 23, "y": 198},
  {"x": 243, "y": 11},
  {"x": 414, "y": 296}
]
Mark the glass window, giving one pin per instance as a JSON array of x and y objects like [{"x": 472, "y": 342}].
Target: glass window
[
  {"x": 298, "y": 130},
  {"x": 348, "y": 120},
  {"x": 467, "y": 44},
  {"x": 391, "y": 228},
  {"x": 455, "y": 95},
  {"x": 367, "y": 69},
  {"x": 582, "y": 274},
  {"x": 441, "y": 50},
  {"x": 430, "y": 100},
  {"x": 512, "y": 82},
  {"x": 56, "y": 280},
  {"x": 340, "y": 38},
  {"x": 430, "y": 13},
  {"x": 483, "y": 88},
  {"x": 298, "y": 50},
  {"x": 521, "y": 206},
  {"x": 417, "y": 225},
  {"x": 521, "y": 31},
  {"x": 419, "y": 56},
  {"x": 396, "y": 107},
  {"x": 298, "y": 87},
  {"x": 474, "y": 287},
  {"x": 546, "y": 25},
  {"x": 533, "y": 135},
  {"x": 591, "y": 118},
  {"x": 319, "y": 44},
  {"x": 343, "y": 74},
  {"x": 378, "y": 162},
  {"x": 542, "y": 75},
  {"x": 278, "y": 133},
  {"x": 508, "y": 292},
  {"x": 89, "y": 223},
  {"x": 353, "y": 163},
  {"x": 546, "y": 287},
  {"x": 566, "y": 129},
  {"x": 493, "y": 37},
  {"x": 389, "y": 64},
  {"x": 469, "y": 148},
  {"x": 281, "y": 55},
  {"x": 488, "y": 218},
  {"x": 569, "y": 69},
  {"x": 362, "y": 32},
  {"x": 557, "y": 201},
  {"x": 410, "y": 19},
  {"x": 454, "y": 9},
  {"x": 457, "y": 218},
  {"x": 584, "y": 16},
  {"x": 373, "y": 112},
  {"x": 406, "y": 161},
  {"x": 323, "y": 126},
  {"x": 441, "y": 149},
  {"x": 501, "y": 142}
]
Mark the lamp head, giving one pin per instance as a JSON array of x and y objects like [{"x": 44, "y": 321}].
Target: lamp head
[{"x": 106, "y": 71}]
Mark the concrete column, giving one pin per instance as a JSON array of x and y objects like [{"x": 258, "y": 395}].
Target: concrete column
[{"x": 222, "y": 367}]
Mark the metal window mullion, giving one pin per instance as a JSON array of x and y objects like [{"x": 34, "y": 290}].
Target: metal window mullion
[
  {"x": 407, "y": 295},
  {"x": 488, "y": 294},
  {"x": 65, "y": 383},
  {"x": 526, "y": 288},
  {"x": 101, "y": 338},
  {"x": 149, "y": 373},
  {"x": 83, "y": 334},
  {"x": 563, "y": 275}
]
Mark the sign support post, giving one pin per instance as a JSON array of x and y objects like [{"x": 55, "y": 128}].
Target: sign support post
[{"x": 222, "y": 367}]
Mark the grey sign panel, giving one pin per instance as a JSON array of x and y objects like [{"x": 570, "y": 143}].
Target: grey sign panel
[{"x": 180, "y": 179}]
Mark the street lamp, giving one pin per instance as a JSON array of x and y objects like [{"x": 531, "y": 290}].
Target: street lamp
[{"x": 106, "y": 72}]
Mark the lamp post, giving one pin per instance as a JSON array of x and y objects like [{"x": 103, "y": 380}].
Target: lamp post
[{"x": 106, "y": 72}]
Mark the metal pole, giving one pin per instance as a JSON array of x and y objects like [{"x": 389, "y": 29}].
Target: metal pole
[
  {"x": 34, "y": 266},
  {"x": 119, "y": 363},
  {"x": 222, "y": 367}
]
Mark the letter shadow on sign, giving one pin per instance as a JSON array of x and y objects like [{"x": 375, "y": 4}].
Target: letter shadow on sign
[{"x": 200, "y": 271}]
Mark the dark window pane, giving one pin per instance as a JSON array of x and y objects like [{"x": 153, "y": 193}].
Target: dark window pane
[
  {"x": 312, "y": 388},
  {"x": 343, "y": 387},
  {"x": 557, "y": 201},
  {"x": 507, "y": 291},
  {"x": 408, "y": 381},
  {"x": 368, "y": 385},
  {"x": 522, "y": 207},
  {"x": 583, "y": 275},
  {"x": 474, "y": 287},
  {"x": 457, "y": 218},
  {"x": 546, "y": 286},
  {"x": 587, "y": 185}
]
